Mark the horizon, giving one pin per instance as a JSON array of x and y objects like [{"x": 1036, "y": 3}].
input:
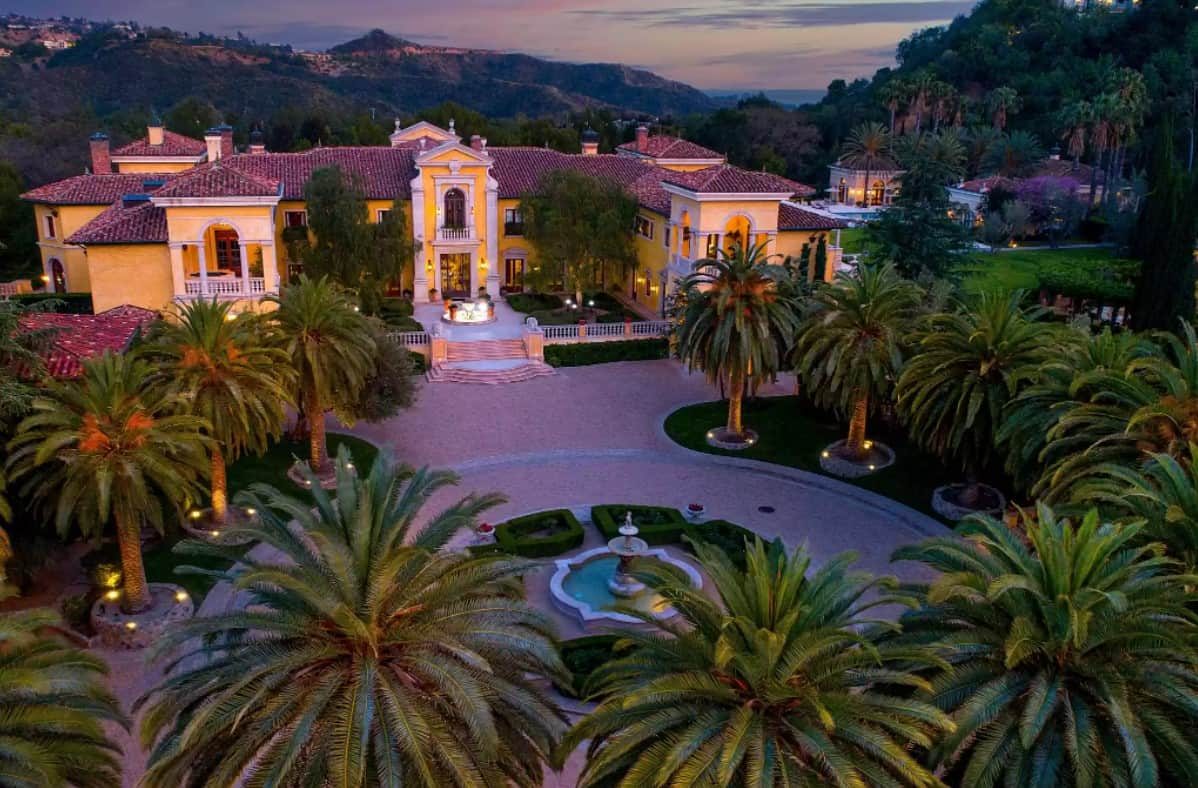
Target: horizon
[{"x": 764, "y": 45}]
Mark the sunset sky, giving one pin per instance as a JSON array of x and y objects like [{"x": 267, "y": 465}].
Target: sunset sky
[{"x": 751, "y": 44}]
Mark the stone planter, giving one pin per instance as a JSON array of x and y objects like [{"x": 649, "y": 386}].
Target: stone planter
[
  {"x": 199, "y": 525},
  {"x": 721, "y": 438},
  {"x": 838, "y": 461},
  {"x": 945, "y": 502},
  {"x": 327, "y": 479},
  {"x": 115, "y": 628},
  {"x": 695, "y": 514}
]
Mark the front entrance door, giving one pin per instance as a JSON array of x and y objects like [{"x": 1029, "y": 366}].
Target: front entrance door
[
  {"x": 455, "y": 275},
  {"x": 513, "y": 274}
]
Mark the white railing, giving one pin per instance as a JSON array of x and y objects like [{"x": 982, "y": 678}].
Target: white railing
[
  {"x": 560, "y": 332},
  {"x": 226, "y": 287},
  {"x": 651, "y": 328},
  {"x": 410, "y": 338},
  {"x": 645, "y": 329},
  {"x": 455, "y": 233}
]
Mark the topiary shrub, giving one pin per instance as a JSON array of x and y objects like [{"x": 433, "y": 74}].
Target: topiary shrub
[
  {"x": 658, "y": 524},
  {"x": 534, "y": 302},
  {"x": 583, "y": 656},
  {"x": 540, "y": 535},
  {"x": 583, "y": 354}
]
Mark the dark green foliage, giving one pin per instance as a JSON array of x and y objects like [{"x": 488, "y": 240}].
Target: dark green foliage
[
  {"x": 583, "y": 656},
  {"x": 540, "y": 535},
  {"x": 585, "y": 353},
  {"x": 390, "y": 387},
  {"x": 419, "y": 362},
  {"x": 19, "y": 257},
  {"x": 191, "y": 116},
  {"x": 659, "y": 525},
  {"x": 1164, "y": 240},
  {"x": 533, "y": 302},
  {"x": 1107, "y": 281},
  {"x": 728, "y": 537},
  {"x": 69, "y": 303}
]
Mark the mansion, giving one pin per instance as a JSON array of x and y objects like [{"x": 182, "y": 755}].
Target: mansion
[{"x": 169, "y": 218}]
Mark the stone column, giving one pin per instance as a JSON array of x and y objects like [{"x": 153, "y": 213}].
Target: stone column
[
  {"x": 534, "y": 343},
  {"x": 203, "y": 269},
  {"x": 437, "y": 274},
  {"x": 178, "y": 274},
  {"x": 270, "y": 268},
  {"x": 493, "y": 260},
  {"x": 245, "y": 267},
  {"x": 420, "y": 273},
  {"x": 438, "y": 350}
]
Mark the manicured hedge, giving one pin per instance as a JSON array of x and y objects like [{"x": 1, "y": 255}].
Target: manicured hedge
[
  {"x": 68, "y": 303},
  {"x": 1109, "y": 281},
  {"x": 584, "y": 353},
  {"x": 515, "y": 536},
  {"x": 533, "y": 302},
  {"x": 729, "y": 537},
  {"x": 658, "y": 524},
  {"x": 583, "y": 656}
]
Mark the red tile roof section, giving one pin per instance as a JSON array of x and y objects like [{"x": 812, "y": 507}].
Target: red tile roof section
[
  {"x": 791, "y": 217},
  {"x": 666, "y": 147},
  {"x": 386, "y": 173},
  {"x": 219, "y": 179},
  {"x": 80, "y": 337},
  {"x": 137, "y": 223},
  {"x": 172, "y": 145},
  {"x": 726, "y": 179},
  {"x": 93, "y": 189}
]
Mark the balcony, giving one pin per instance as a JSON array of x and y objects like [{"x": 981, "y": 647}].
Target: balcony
[
  {"x": 228, "y": 287},
  {"x": 513, "y": 228},
  {"x": 456, "y": 234}
]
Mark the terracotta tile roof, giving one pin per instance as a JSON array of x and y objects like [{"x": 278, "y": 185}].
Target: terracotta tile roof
[
  {"x": 981, "y": 185},
  {"x": 219, "y": 179},
  {"x": 726, "y": 179},
  {"x": 666, "y": 147},
  {"x": 1065, "y": 168},
  {"x": 79, "y": 337},
  {"x": 103, "y": 189},
  {"x": 386, "y": 173},
  {"x": 520, "y": 170},
  {"x": 172, "y": 145},
  {"x": 125, "y": 221},
  {"x": 791, "y": 217}
]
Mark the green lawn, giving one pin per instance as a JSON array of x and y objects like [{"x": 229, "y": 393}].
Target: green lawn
[
  {"x": 1020, "y": 269},
  {"x": 794, "y": 435},
  {"x": 852, "y": 240},
  {"x": 270, "y": 468}
]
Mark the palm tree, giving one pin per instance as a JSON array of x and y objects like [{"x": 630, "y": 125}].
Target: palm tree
[
  {"x": 221, "y": 368},
  {"x": 1017, "y": 155},
  {"x": 55, "y": 705},
  {"x": 1074, "y": 120},
  {"x": 782, "y": 681},
  {"x": 964, "y": 368},
  {"x": 331, "y": 352},
  {"x": 376, "y": 657},
  {"x": 734, "y": 318},
  {"x": 1003, "y": 102},
  {"x": 1072, "y": 655},
  {"x": 865, "y": 149},
  {"x": 893, "y": 94},
  {"x": 108, "y": 450},
  {"x": 848, "y": 347}
]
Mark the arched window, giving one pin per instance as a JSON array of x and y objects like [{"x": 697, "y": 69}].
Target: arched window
[
  {"x": 455, "y": 209},
  {"x": 842, "y": 191},
  {"x": 877, "y": 193},
  {"x": 58, "y": 276}
]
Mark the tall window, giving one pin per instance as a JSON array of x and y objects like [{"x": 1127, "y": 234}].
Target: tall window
[
  {"x": 842, "y": 191},
  {"x": 665, "y": 237},
  {"x": 455, "y": 209},
  {"x": 877, "y": 193},
  {"x": 644, "y": 227},
  {"x": 513, "y": 222},
  {"x": 228, "y": 251},
  {"x": 51, "y": 230}
]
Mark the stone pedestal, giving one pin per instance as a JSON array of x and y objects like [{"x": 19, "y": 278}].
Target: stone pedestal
[{"x": 118, "y": 629}]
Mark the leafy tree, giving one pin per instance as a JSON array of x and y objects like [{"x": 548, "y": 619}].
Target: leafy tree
[
  {"x": 582, "y": 226},
  {"x": 222, "y": 370},
  {"x": 391, "y": 386},
  {"x": 1072, "y": 655},
  {"x": 192, "y": 117},
  {"x": 109, "y": 450},
  {"x": 1164, "y": 240},
  {"x": 865, "y": 149},
  {"x": 848, "y": 349},
  {"x": 377, "y": 657},
  {"x": 330, "y": 349},
  {"x": 734, "y": 318},
  {"x": 55, "y": 706},
  {"x": 785, "y": 680},
  {"x": 18, "y": 236},
  {"x": 965, "y": 366}
]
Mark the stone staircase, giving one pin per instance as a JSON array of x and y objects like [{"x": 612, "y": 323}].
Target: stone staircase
[{"x": 482, "y": 361}]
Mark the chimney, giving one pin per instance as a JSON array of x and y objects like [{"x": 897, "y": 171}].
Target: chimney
[
  {"x": 101, "y": 161},
  {"x": 642, "y": 137},
  {"x": 484, "y": 141},
  {"x": 590, "y": 142},
  {"x": 154, "y": 132},
  {"x": 226, "y": 140},
  {"x": 476, "y": 142},
  {"x": 257, "y": 142},
  {"x": 212, "y": 140}
]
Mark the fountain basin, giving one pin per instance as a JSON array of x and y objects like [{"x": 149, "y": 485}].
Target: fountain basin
[
  {"x": 469, "y": 313},
  {"x": 579, "y": 586}
]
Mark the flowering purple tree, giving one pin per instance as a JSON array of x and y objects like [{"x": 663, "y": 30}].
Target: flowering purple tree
[{"x": 1053, "y": 202}]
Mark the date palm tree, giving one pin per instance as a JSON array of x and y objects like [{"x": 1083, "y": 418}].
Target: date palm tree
[
  {"x": 1015, "y": 155},
  {"x": 107, "y": 450},
  {"x": 964, "y": 368},
  {"x": 331, "y": 352},
  {"x": 55, "y": 704},
  {"x": 865, "y": 149},
  {"x": 848, "y": 349},
  {"x": 1003, "y": 102},
  {"x": 366, "y": 655},
  {"x": 737, "y": 323},
  {"x": 1072, "y": 654},
  {"x": 785, "y": 680},
  {"x": 222, "y": 369}
]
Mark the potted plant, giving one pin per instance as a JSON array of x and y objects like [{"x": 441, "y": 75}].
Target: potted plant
[
  {"x": 695, "y": 510},
  {"x": 485, "y": 533}
]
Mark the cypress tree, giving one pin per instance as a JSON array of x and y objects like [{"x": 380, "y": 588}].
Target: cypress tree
[{"x": 1164, "y": 242}]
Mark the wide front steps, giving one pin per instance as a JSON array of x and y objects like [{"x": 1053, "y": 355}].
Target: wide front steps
[
  {"x": 485, "y": 350},
  {"x": 489, "y": 376}
]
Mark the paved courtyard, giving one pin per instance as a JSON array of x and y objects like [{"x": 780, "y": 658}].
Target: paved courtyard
[{"x": 593, "y": 435}]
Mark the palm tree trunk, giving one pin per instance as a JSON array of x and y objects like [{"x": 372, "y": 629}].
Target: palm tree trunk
[
  {"x": 892, "y": 110},
  {"x": 1094, "y": 178},
  {"x": 865, "y": 191},
  {"x": 736, "y": 392},
  {"x": 137, "y": 591},
  {"x": 316, "y": 446},
  {"x": 220, "y": 488},
  {"x": 856, "y": 440}
]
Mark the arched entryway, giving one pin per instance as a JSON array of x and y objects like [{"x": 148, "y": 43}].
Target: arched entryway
[
  {"x": 58, "y": 276},
  {"x": 842, "y": 191},
  {"x": 877, "y": 193},
  {"x": 737, "y": 232},
  {"x": 455, "y": 275}
]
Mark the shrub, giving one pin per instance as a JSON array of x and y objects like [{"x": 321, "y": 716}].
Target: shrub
[
  {"x": 583, "y": 656},
  {"x": 1107, "y": 280},
  {"x": 400, "y": 307},
  {"x": 540, "y": 535},
  {"x": 419, "y": 363},
  {"x": 658, "y": 524},
  {"x": 76, "y": 612},
  {"x": 67, "y": 303},
  {"x": 727, "y": 536},
  {"x": 397, "y": 322},
  {"x": 534, "y": 302},
  {"x": 582, "y": 354}
]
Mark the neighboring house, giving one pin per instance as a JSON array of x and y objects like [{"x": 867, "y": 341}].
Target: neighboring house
[
  {"x": 853, "y": 186},
  {"x": 79, "y": 337},
  {"x": 969, "y": 197},
  {"x": 216, "y": 227}
]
